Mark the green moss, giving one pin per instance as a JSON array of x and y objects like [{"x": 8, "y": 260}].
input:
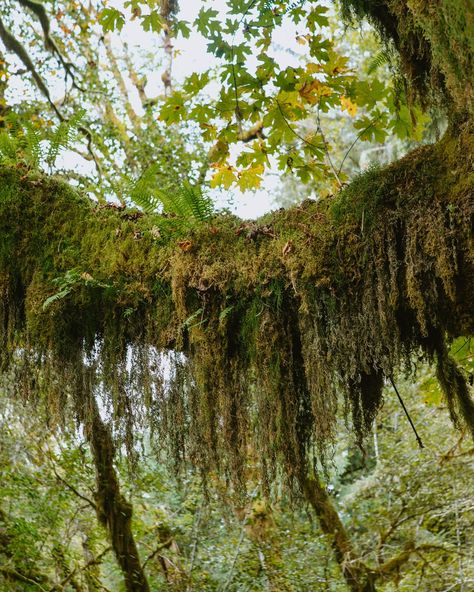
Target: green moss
[
  {"x": 234, "y": 341},
  {"x": 434, "y": 41}
]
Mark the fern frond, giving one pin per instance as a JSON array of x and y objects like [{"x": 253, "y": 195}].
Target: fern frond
[
  {"x": 9, "y": 147},
  {"x": 383, "y": 58},
  {"x": 188, "y": 203},
  {"x": 32, "y": 145},
  {"x": 22, "y": 141},
  {"x": 142, "y": 193},
  {"x": 63, "y": 136}
]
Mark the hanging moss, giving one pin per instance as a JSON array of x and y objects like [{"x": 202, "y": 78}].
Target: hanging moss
[
  {"x": 235, "y": 341},
  {"x": 435, "y": 43}
]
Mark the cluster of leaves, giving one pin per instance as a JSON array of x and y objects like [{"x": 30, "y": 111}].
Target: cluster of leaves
[
  {"x": 149, "y": 13},
  {"x": 271, "y": 111},
  {"x": 29, "y": 144},
  {"x": 276, "y": 110},
  {"x": 120, "y": 135}
]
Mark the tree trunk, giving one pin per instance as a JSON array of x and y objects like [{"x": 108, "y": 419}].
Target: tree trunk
[
  {"x": 358, "y": 576},
  {"x": 113, "y": 510}
]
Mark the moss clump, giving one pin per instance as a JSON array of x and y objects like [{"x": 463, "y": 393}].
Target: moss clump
[
  {"x": 235, "y": 340},
  {"x": 435, "y": 43}
]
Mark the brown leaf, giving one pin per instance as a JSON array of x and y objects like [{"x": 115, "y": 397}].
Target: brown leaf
[
  {"x": 287, "y": 248},
  {"x": 185, "y": 245}
]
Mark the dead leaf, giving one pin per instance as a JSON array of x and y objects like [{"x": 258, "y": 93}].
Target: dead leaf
[
  {"x": 185, "y": 245},
  {"x": 287, "y": 248}
]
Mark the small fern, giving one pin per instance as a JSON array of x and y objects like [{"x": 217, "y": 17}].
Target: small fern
[
  {"x": 32, "y": 145},
  {"x": 382, "y": 58},
  {"x": 9, "y": 148},
  {"x": 62, "y": 137},
  {"x": 188, "y": 203},
  {"x": 22, "y": 142},
  {"x": 143, "y": 191}
]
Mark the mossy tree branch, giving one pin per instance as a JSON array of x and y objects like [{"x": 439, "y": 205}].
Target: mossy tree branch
[
  {"x": 275, "y": 318},
  {"x": 434, "y": 41}
]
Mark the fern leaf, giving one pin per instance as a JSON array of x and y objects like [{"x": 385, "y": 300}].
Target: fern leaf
[
  {"x": 188, "y": 203},
  {"x": 9, "y": 147},
  {"x": 63, "y": 136},
  {"x": 32, "y": 145},
  {"x": 382, "y": 58}
]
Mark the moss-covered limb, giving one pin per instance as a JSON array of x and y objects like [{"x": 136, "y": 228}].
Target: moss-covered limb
[
  {"x": 264, "y": 323},
  {"x": 434, "y": 40},
  {"x": 113, "y": 511},
  {"x": 358, "y": 576},
  {"x": 456, "y": 389}
]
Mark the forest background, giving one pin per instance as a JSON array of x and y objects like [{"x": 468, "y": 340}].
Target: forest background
[{"x": 363, "y": 501}]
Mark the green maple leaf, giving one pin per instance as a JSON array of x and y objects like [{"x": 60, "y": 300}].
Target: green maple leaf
[
  {"x": 317, "y": 17},
  {"x": 111, "y": 19},
  {"x": 173, "y": 110},
  {"x": 206, "y": 22},
  {"x": 152, "y": 22},
  {"x": 183, "y": 28}
]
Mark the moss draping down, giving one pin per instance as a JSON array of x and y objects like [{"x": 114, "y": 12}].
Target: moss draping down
[
  {"x": 239, "y": 337},
  {"x": 435, "y": 43}
]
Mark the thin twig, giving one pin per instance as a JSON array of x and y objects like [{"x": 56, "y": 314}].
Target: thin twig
[
  {"x": 74, "y": 490},
  {"x": 160, "y": 547},
  {"x": 326, "y": 149},
  {"x": 94, "y": 561},
  {"x": 298, "y": 135},
  {"x": 195, "y": 542},
  {"x": 418, "y": 439},
  {"x": 358, "y": 137},
  {"x": 239, "y": 544}
]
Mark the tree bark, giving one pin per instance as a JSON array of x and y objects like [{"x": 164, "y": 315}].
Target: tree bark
[
  {"x": 358, "y": 576},
  {"x": 114, "y": 512}
]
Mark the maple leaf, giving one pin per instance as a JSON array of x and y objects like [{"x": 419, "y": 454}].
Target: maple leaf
[
  {"x": 111, "y": 19},
  {"x": 224, "y": 176},
  {"x": 250, "y": 178},
  {"x": 348, "y": 105},
  {"x": 313, "y": 90}
]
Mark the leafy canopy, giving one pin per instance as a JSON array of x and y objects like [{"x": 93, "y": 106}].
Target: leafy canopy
[{"x": 270, "y": 107}]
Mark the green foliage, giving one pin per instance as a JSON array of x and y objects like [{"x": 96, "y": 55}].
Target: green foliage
[
  {"x": 232, "y": 349},
  {"x": 72, "y": 279},
  {"x": 281, "y": 101},
  {"x": 63, "y": 136},
  {"x": 111, "y": 19},
  {"x": 383, "y": 58},
  {"x": 188, "y": 202},
  {"x": 24, "y": 143}
]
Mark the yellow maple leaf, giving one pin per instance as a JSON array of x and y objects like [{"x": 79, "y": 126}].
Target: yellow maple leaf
[
  {"x": 313, "y": 90},
  {"x": 251, "y": 178},
  {"x": 349, "y": 106},
  {"x": 313, "y": 68},
  {"x": 224, "y": 176}
]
